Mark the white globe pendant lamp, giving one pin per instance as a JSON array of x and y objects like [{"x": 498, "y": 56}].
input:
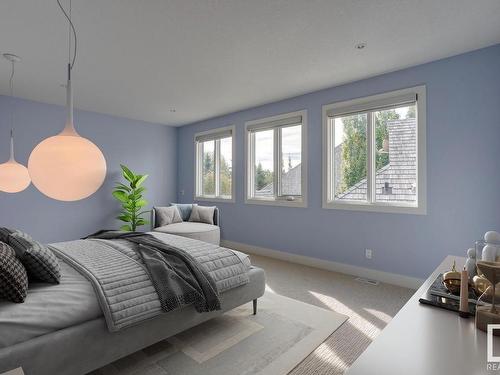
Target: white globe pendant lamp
[
  {"x": 14, "y": 177},
  {"x": 67, "y": 167}
]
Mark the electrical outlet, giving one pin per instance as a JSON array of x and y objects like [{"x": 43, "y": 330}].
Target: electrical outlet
[{"x": 368, "y": 253}]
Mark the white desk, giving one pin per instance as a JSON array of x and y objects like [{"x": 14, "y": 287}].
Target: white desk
[
  {"x": 17, "y": 371},
  {"x": 427, "y": 340}
]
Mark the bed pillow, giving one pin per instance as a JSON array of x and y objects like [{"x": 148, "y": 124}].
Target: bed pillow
[
  {"x": 4, "y": 234},
  {"x": 167, "y": 215},
  {"x": 202, "y": 214},
  {"x": 185, "y": 209},
  {"x": 38, "y": 259},
  {"x": 13, "y": 276}
]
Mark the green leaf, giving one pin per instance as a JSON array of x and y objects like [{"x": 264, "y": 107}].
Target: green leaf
[
  {"x": 140, "y": 180},
  {"x": 143, "y": 212},
  {"x": 126, "y": 228},
  {"x": 121, "y": 186},
  {"x": 141, "y": 203},
  {"x": 120, "y": 195},
  {"x": 124, "y": 217},
  {"x": 140, "y": 190},
  {"x": 127, "y": 173}
]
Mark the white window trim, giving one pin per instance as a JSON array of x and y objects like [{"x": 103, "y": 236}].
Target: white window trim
[
  {"x": 249, "y": 163},
  {"x": 197, "y": 183},
  {"x": 421, "y": 207}
]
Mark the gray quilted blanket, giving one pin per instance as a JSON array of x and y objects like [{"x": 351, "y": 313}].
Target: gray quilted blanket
[{"x": 124, "y": 285}]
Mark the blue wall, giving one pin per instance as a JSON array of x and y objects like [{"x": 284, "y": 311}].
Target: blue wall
[
  {"x": 463, "y": 174},
  {"x": 144, "y": 147}
]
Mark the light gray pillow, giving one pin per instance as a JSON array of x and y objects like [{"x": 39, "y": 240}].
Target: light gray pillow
[
  {"x": 167, "y": 215},
  {"x": 202, "y": 214},
  {"x": 184, "y": 209}
]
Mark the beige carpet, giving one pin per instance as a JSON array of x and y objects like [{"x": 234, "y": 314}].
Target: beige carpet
[
  {"x": 369, "y": 309},
  {"x": 280, "y": 336}
]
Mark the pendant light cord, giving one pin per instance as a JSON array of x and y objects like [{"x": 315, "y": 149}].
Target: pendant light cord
[
  {"x": 72, "y": 28},
  {"x": 11, "y": 80},
  {"x": 11, "y": 87}
]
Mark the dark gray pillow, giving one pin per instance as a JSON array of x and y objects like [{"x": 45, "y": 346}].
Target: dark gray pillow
[
  {"x": 167, "y": 215},
  {"x": 202, "y": 214},
  {"x": 38, "y": 259},
  {"x": 13, "y": 276},
  {"x": 4, "y": 234}
]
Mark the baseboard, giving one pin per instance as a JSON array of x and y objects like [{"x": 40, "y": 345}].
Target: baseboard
[{"x": 385, "y": 277}]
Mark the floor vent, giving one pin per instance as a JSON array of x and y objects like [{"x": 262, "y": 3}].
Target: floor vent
[{"x": 367, "y": 281}]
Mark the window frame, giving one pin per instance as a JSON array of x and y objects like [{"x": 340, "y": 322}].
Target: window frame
[
  {"x": 370, "y": 105},
  {"x": 276, "y": 200},
  {"x": 198, "y": 187}
]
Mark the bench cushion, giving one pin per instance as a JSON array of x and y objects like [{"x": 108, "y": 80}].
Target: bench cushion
[{"x": 198, "y": 231}]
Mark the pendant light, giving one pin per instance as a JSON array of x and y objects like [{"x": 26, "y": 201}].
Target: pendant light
[
  {"x": 67, "y": 167},
  {"x": 14, "y": 177}
]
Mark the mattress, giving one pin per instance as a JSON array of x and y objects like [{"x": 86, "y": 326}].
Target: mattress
[
  {"x": 85, "y": 347},
  {"x": 49, "y": 308}
]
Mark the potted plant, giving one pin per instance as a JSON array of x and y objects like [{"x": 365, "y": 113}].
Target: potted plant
[{"x": 131, "y": 199}]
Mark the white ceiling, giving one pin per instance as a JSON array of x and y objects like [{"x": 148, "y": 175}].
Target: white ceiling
[{"x": 139, "y": 59}]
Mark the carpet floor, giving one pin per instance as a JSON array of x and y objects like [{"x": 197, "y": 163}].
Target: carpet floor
[{"x": 369, "y": 308}]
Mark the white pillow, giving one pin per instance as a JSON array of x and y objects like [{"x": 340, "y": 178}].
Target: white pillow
[
  {"x": 167, "y": 215},
  {"x": 202, "y": 214}
]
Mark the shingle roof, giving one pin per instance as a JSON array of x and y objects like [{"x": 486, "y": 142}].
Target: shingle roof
[
  {"x": 290, "y": 183},
  {"x": 400, "y": 173}
]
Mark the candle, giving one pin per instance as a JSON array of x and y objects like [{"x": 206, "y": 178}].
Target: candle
[{"x": 464, "y": 294}]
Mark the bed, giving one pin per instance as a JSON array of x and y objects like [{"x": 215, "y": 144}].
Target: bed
[{"x": 72, "y": 328}]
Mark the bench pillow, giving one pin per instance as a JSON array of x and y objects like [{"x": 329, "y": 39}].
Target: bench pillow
[
  {"x": 167, "y": 215},
  {"x": 185, "y": 209},
  {"x": 13, "y": 276},
  {"x": 202, "y": 214}
]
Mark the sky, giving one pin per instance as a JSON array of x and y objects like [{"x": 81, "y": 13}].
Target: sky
[{"x": 291, "y": 147}]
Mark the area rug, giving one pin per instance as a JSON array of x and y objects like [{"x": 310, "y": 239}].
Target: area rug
[{"x": 273, "y": 342}]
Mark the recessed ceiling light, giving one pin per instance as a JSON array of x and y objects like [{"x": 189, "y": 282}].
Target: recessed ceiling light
[{"x": 360, "y": 45}]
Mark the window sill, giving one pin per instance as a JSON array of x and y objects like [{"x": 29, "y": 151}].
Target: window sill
[
  {"x": 381, "y": 208},
  {"x": 277, "y": 202},
  {"x": 214, "y": 199}
]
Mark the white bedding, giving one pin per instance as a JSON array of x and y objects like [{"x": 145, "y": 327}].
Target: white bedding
[{"x": 48, "y": 308}]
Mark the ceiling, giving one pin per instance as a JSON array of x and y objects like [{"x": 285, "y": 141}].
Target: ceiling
[{"x": 204, "y": 58}]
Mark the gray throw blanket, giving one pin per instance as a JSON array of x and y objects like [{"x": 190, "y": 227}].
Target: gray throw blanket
[
  {"x": 177, "y": 277},
  {"x": 124, "y": 284}
]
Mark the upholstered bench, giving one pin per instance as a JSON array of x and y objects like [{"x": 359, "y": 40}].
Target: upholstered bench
[{"x": 196, "y": 230}]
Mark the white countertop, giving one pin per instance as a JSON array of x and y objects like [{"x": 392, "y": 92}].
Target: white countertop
[{"x": 427, "y": 340}]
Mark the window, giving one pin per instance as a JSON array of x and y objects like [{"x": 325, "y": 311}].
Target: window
[
  {"x": 276, "y": 160},
  {"x": 374, "y": 153},
  {"x": 214, "y": 165}
]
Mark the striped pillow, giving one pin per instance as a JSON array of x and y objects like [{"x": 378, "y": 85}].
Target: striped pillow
[
  {"x": 13, "y": 276},
  {"x": 39, "y": 260}
]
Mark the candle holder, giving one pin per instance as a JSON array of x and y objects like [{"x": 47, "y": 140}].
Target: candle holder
[{"x": 486, "y": 310}]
